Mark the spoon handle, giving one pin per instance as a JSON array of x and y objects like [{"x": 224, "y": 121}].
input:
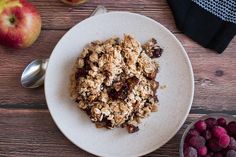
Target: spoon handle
[{"x": 99, "y": 10}]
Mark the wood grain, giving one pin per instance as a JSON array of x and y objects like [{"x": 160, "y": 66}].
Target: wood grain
[
  {"x": 33, "y": 133},
  {"x": 215, "y": 77},
  {"x": 14, "y": 61},
  {"x": 26, "y": 127},
  {"x": 56, "y": 15}
]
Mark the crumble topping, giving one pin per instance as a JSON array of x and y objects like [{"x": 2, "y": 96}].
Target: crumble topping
[{"x": 113, "y": 81}]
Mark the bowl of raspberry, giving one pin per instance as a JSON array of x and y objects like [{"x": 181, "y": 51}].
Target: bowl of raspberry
[{"x": 212, "y": 135}]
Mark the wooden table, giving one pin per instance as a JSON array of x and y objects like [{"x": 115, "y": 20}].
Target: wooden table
[{"x": 26, "y": 127}]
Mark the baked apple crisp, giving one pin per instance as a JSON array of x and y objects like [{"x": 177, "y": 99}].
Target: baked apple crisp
[{"x": 113, "y": 81}]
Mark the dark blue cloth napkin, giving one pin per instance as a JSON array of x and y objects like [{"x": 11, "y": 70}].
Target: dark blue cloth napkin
[{"x": 211, "y": 23}]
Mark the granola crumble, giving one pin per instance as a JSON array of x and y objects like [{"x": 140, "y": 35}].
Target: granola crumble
[{"x": 114, "y": 82}]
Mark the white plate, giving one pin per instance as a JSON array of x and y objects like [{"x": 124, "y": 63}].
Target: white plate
[{"x": 175, "y": 72}]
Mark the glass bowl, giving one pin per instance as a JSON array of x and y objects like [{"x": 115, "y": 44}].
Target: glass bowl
[{"x": 227, "y": 117}]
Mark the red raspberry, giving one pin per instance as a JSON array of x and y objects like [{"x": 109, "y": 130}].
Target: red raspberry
[
  {"x": 217, "y": 131},
  {"x": 211, "y": 122},
  {"x": 200, "y": 126},
  {"x": 213, "y": 145},
  {"x": 221, "y": 122},
  {"x": 231, "y": 153},
  {"x": 197, "y": 142},
  {"x": 224, "y": 140},
  {"x": 202, "y": 151},
  {"x": 232, "y": 128},
  {"x": 190, "y": 152},
  {"x": 232, "y": 144}
]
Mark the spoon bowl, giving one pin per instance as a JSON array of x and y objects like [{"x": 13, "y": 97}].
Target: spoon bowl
[{"x": 34, "y": 73}]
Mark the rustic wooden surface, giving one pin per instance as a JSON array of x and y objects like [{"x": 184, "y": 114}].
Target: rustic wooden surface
[{"x": 26, "y": 127}]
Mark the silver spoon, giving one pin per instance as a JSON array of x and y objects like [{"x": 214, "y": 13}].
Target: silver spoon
[{"x": 33, "y": 75}]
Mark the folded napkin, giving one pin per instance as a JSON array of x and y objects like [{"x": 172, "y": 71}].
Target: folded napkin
[{"x": 211, "y": 23}]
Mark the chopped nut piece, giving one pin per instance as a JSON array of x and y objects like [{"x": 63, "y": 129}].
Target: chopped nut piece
[
  {"x": 154, "y": 85},
  {"x": 105, "y": 111}
]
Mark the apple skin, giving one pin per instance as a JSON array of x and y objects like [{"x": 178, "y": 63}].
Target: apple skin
[
  {"x": 73, "y": 2},
  {"x": 20, "y": 23}
]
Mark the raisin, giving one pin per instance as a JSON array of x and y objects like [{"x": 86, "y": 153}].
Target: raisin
[
  {"x": 88, "y": 54},
  {"x": 104, "y": 123},
  {"x": 81, "y": 72},
  {"x": 86, "y": 67},
  {"x": 155, "y": 98},
  {"x": 132, "y": 82},
  {"x": 88, "y": 111},
  {"x": 96, "y": 64},
  {"x": 147, "y": 103},
  {"x": 157, "y": 52},
  {"x": 136, "y": 106},
  {"x": 106, "y": 73},
  {"x": 124, "y": 91},
  {"x": 120, "y": 94},
  {"x": 117, "y": 41},
  {"x": 94, "y": 43},
  {"x": 117, "y": 85},
  {"x": 123, "y": 125},
  {"x": 121, "y": 89},
  {"x": 154, "y": 41},
  {"x": 113, "y": 94},
  {"x": 132, "y": 128},
  {"x": 107, "y": 123},
  {"x": 125, "y": 60}
]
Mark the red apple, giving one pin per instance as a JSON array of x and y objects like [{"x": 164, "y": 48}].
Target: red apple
[
  {"x": 20, "y": 23},
  {"x": 73, "y": 2}
]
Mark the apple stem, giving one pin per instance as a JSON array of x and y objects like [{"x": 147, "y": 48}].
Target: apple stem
[{"x": 12, "y": 19}]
